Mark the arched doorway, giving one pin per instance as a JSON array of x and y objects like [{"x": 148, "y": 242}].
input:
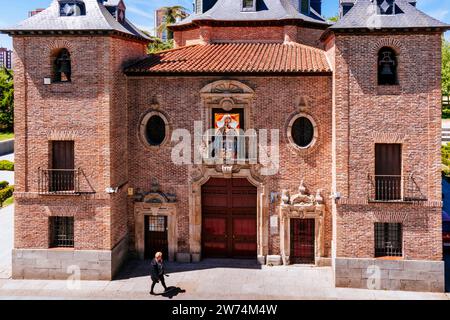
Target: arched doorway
[{"x": 229, "y": 219}]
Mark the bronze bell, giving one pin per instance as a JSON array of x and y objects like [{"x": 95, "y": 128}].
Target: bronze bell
[
  {"x": 387, "y": 64},
  {"x": 63, "y": 67},
  {"x": 387, "y": 70},
  {"x": 64, "y": 64}
]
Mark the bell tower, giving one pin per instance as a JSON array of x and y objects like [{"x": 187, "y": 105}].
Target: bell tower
[
  {"x": 201, "y": 6},
  {"x": 71, "y": 141},
  {"x": 386, "y": 86}
]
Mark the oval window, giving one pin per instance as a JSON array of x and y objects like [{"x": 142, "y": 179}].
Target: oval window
[
  {"x": 302, "y": 132},
  {"x": 155, "y": 130}
]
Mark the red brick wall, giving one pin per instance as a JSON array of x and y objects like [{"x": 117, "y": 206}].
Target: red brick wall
[
  {"x": 272, "y": 109},
  {"x": 303, "y": 35},
  {"x": 89, "y": 111},
  {"x": 366, "y": 113}
]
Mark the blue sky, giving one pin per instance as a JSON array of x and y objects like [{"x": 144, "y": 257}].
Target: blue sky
[{"x": 140, "y": 12}]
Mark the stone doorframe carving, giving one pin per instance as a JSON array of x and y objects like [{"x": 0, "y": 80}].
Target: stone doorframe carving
[
  {"x": 302, "y": 206},
  {"x": 200, "y": 175},
  {"x": 141, "y": 210},
  {"x": 155, "y": 203}
]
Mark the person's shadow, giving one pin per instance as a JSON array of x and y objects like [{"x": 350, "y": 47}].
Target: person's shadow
[{"x": 172, "y": 292}]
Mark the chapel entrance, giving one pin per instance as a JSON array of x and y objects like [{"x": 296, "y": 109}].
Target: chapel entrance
[
  {"x": 229, "y": 208},
  {"x": 302, "y": 241},
  {"x": 156, "y": 236}
]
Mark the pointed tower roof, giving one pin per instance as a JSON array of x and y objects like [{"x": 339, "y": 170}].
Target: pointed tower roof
[
  {"x": 97, "y": 18},
  {"x": 366, "y": 14},
  {"x": 265, "y": 10}
]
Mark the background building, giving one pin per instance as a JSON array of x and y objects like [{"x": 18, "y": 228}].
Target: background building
[
  {"x": 159, "y": 20},
  {"x": 34, "y": 12},
  {"x": 5, "y": 58}
]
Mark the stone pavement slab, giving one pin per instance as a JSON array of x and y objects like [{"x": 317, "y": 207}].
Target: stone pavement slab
[
  {"x": 207, "y": 280},
  {"x": 265, "y": 283}
]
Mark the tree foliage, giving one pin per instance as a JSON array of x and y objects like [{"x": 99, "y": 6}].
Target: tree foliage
[
  {"x": 158, "y": 45},
  {"x": 445, "y": 68},
  {"x": 6, "y": 100},
  {"x": 334, "y": 18},
  {"x": 171, "y": 15}
]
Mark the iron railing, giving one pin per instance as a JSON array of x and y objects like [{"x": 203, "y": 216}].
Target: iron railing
[
  {"x": 59, "y": 181},
  {"x": 394, "y": 188},
  {"x": 228, "y": 149}
]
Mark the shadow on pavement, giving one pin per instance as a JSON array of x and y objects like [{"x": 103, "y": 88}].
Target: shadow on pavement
[
  {"x": 141, "y": 268},
  {"x": 172, "y": 292}
]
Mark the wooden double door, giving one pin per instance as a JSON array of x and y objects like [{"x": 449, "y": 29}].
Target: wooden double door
[{"x": 229, "y": 219}]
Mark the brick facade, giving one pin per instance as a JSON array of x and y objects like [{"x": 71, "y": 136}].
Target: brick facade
[{"x": 102, "y": 110}]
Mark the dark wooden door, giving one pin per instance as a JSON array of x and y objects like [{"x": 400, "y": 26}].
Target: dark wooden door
[
  {"x": 156, "y": 236},
  {"x": 229, "y": 219},
  {"x": 388, "y": 170},
  {"x": 302, "y": 241},
  {"x": 62, "y": 175}
]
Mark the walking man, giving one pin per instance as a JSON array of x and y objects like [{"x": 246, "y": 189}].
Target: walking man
[{"x": 157, "y": 272}]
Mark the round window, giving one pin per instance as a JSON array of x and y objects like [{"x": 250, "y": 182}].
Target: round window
[
  {"x": 302, "y": 132},
  {"x": 155, "y": 130}
]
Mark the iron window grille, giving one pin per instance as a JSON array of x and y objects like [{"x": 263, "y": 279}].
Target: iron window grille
[
  {"x": 388, "y": 239},
  {"x": 62, "y": 235},
  {"x": 157, "y": 224}
]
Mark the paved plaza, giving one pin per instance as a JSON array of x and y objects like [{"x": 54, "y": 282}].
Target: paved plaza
[{"x": 210, "y": 279}]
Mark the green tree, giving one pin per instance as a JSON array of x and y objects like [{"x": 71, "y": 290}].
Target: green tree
[
  {"x": 445, "y": 68},
  {"x": 171, "y": 15},
  {"x": 158, "y": 45},
  {"x": 334, "y": 18},
  {"x": 6, "y": 100}
]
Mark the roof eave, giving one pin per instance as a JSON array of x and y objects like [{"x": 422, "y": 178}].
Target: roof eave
[
  {"x": 364, "y": 30},
  {"x": 283, "y": 21},
  {"x": 230, "y": 73},
  {"x": 21, "y": 32}
]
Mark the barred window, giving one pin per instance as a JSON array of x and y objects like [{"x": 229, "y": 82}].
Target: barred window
[
  {"x": 62, "y": 235},
  {"x": 157, "y": 223},
  {"x": 388, "y": 240}
]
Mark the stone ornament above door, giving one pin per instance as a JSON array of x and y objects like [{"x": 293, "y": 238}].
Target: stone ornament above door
[
  {"x": 227, "y": 94},
  {"x": 155, "y": 203},
  {"x": 155, "y": 195},
  {"x": 301, "y": 205}
]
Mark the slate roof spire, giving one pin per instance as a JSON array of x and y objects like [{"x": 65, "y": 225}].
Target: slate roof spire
[
  {"x": 266, "y": 10},
  {"x": 98, "y": 17},
  {"x": 384, "y": 14}
]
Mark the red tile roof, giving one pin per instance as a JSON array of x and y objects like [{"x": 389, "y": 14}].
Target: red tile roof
[{"x": 235, "y": 58}]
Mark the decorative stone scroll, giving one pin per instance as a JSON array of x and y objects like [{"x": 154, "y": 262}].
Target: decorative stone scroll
[{"x": 301, "y": 205}]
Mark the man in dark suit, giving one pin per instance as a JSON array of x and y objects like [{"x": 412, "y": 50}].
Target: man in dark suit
[{"x": 157, "y": 272}]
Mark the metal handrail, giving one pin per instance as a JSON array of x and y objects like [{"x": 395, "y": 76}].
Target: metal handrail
[
  {"x": 394, "y": 188},
  {"x": 58, "y": 181}
]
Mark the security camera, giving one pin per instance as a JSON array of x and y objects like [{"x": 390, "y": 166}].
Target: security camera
[
  {"x": 111, "y": 190},
  {"x": 335, "y": 195}
]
